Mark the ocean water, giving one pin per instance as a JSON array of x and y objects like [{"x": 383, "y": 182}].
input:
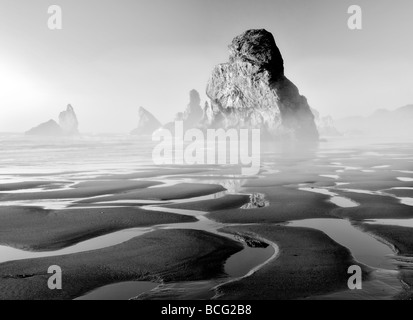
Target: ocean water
[{"x": 101, "y": 153}]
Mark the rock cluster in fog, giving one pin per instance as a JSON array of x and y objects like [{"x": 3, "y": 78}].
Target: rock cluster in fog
[
  {"x": 68, "y": 125},
  {"x": 325, "y": 125},
  {"x": 252, "y": 91}
]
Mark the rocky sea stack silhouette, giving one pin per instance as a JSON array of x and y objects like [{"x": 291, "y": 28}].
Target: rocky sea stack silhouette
[
  {"x": 193, "y": 113},
  {"x": 49, "y": 128},
  {"x": 68, "y": 125},
  {"x": 68, "y": 121},
  {"x": 147, "y": 123},
  {"x": 251, "y": 91},
  {"x": 192, "y": 116}
]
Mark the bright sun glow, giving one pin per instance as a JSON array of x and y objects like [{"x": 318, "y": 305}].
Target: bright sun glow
[{"x": 16, "y": 86}]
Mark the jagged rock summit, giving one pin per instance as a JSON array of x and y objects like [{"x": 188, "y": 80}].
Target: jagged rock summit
[
  {"x": 147, "y": 123},
  {"x": 193, "y": 113},
  {"x": 251, "y": 91},
  {"x": 68, "y": 121},
  {"x": 192, "y": 116}
]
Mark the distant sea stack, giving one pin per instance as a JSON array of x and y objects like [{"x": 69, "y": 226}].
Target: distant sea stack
[
  {"x": 49, "y": 128},
  {"x": 147, "y": 123},
  {"x": 251, "y": 91},
  {"x": 193, "y": 113},
  {"x": 68, "y": 125},
  {"x": 68, "y": 121},
  {"x": 192, "y": 116},
  {"x": 325, "y": 125}
]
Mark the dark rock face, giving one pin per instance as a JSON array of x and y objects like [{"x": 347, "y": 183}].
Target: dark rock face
[
  {"x": 257, "y": 47},
  {"x": 251, "y": 241},
  {"x": 68, "y": 121},
  {"x": 257, "y": 200},
  {"x": 251, "y": 91},
  {"x": 147, "y": 123},
  {"x": 49, "y": 128}
]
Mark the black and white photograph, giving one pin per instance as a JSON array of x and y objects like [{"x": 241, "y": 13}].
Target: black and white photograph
[{"x": 222, "y": 152}]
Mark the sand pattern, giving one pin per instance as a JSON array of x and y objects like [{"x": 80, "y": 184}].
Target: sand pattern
[{"x": 205, "y": 231}]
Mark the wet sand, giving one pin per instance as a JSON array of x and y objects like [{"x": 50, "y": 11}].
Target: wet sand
[
  {"x": 374, "y": 207},
  {"x": 373, "y": 181},
  {"x": 14, "y": 186},
  {"x": 160, "y": 256},
  {"x": 84, "y": 205},
  {"x": 288, "y": 178},
  {"x": 224, "y": 203},
  {"x": 400, "y": 237},
  {"x": 46, "y": 230},
  {"x": 179, "y": 191},
  {"x": 286, "y": 204},
  {"x": 309, "y": 263},
  {"x": 154, "y": 172},
  {"x": 83, "y": 190},
  {"x": 403, "y": 193}
]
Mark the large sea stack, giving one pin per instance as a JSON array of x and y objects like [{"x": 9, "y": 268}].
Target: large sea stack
[{"x": 251, "y": 91}]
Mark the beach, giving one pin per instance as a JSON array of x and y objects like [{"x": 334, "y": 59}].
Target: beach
[{"x": 205, "y": 232}]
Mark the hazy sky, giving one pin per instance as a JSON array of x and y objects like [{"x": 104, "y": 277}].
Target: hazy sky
[{"x": 113, "y": 56}]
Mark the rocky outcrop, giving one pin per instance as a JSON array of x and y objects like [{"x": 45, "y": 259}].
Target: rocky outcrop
[
  {"x": 147, "y": 123},
  {"x": 68, "y": 125},
  {"x": 250, "y": 240},
  {"x": 68, "y": 121},
  {"x": 257, "y": 200},
  {"x": 49, "y": 128},
  {"x": 251, "y": 91},
  {"x": 193, "y": 113},
  {"x": 192, "y": 116}
]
